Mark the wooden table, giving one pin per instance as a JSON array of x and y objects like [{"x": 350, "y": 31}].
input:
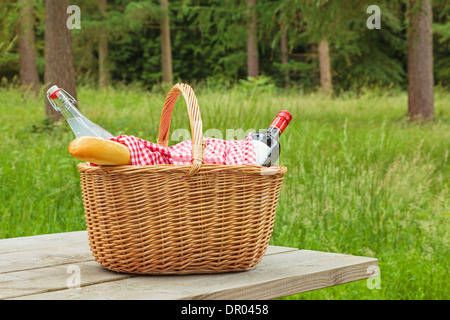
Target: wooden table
[{"x": 60, "y": 266}]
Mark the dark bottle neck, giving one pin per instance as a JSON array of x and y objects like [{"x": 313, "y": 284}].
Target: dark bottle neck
[{"x": 274, "y": 131}]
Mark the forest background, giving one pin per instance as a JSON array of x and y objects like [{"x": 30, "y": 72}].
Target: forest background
[{"x": 225, "y": 41}]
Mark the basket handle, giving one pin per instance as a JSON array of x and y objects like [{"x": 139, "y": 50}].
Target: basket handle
[{"x": 194, "y": 118}]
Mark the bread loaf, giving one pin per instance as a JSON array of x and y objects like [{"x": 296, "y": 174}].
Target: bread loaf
[{"x": 99, "y": 151}]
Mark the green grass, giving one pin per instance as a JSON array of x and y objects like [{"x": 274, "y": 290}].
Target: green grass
[{"x": 361, "y": 179}]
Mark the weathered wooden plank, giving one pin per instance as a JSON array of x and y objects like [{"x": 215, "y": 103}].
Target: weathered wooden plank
[
  {"x": 44, "y": 257},
  {"x": 278, "y": 249},
  {"x": 25, "y": 253},
  {"x": 60, "y": 277},
  {"x": 277, "y": 275},
  {"x": 304, "y": 271},
  {"x": 19, "y": 244},
  {"x": 39, "y": 267}
]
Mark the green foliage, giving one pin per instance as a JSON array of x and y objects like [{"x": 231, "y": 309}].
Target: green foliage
[
  {"x": 374, "y": 57},
  {"x": 9, "y": 58},
  {"x": 441, "y": 43},
  {"x": 209, "y": 41},
  {"x": 260, "y": 84}
]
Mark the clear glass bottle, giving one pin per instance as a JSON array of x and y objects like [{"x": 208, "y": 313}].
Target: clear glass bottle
[
  {"x": 64, "y": 103},
  {"x": 266, "y": 143}
]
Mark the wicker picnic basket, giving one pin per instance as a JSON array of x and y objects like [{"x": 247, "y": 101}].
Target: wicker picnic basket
[{"x": 180, "y": 219}]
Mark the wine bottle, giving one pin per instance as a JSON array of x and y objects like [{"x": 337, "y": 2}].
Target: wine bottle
[
  {"x": 81, "y": 126},
  {"x": 266, "y": 142}
]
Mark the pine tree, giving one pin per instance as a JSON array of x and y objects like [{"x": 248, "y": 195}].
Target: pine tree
[
  {"x": 285, "y": 54},
  {"x": 325, "y": 67},
  {"x": 441, "y": 44},
  {"x": 166, "y": 46},
  {"x": 420, "y": 61},
  {"x": 252, "y": 41},
  {"x": 59, "y": 66},
  {"x": 103, "y": 72},
  {"x": 329, "y": 24},
  {"x": 27, "y": 51}
]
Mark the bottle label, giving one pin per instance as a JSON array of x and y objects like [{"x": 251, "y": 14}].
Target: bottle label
[{"x": 262, "y": 150}]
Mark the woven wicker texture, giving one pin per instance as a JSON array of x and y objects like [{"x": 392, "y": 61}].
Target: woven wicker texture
[{"x": 173, "y": 219}]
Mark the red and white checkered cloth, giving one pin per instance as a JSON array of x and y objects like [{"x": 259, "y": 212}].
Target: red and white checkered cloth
[{"x": 217, "y": 151}]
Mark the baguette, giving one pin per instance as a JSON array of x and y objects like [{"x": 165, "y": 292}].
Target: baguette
[{"x": 99, "y": 151}]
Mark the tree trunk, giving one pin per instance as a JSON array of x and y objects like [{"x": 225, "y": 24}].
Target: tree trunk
[
  {"x": 285, "y": 55},
  {"x": 420, "y": 61},
  {"x": 325, "y": 67},
  {"x": 27, "y": 52},
  {"x": 311, "y": 59},
  {"x": 166, "y": 50},
  {"x": 59, "y": 67},
  {"x": 103, "y": 72},
  {"x": 252, "y": 47}
]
